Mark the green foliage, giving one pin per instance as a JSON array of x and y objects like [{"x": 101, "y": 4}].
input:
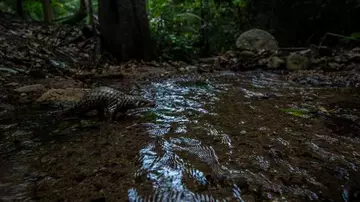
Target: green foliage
[
  {"x": 240, "y": 3},
  {"x": 177, "y": 25},
  {"x": 304, "y": 113},
  {"x": 174, "y": 28},
  {"x": 355, "y": 35},
  {"x": 33, "y": 9},
  {"x": 7, "y": 6}
]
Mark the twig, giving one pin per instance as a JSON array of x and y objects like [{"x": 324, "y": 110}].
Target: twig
[
  {"x": 335, "y": 35},
  {"x": 293, "y": 48}
]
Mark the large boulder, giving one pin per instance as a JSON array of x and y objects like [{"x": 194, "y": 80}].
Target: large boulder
[{"x": 257, "y": 40}]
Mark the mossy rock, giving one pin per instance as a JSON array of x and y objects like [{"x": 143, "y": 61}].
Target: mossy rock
[
  {"x": 256, "y": 40},
  {"x": 296, "y": 61}
]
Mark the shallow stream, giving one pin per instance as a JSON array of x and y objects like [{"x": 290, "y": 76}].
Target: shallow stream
[{"x": 225, "y": 137}]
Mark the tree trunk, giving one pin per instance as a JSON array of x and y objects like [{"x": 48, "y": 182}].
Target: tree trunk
[
  {"x": 204, "y": 31},
  {"x": 124, "y": 28},
  {"x": 91, "y": 14},
  {"x": 79, "y": 15},
  {"x": 19, "y": 9},
  {"x": 47, "y": 10}
]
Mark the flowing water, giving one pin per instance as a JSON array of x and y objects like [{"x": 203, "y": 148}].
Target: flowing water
[{"x": 230, "y": 137}]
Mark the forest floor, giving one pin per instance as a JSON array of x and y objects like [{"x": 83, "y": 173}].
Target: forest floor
[{"x": 59, "y": 57}]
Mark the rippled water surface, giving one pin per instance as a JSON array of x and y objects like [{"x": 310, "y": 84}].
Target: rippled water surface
[{"x": 247, "y": 137}]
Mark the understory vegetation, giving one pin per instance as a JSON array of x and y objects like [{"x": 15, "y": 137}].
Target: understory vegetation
[{"x": 185, "y": 30}]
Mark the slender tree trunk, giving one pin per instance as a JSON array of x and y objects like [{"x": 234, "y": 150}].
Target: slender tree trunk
[
  {"x": 82, "y": 6},
  {"x": 48, "y": 15},
  {"x": 91, "y": 13},
  {"x": 125, "y": 31},
  {"x": 19, "y": 9},
  {"x": 204, "y": 31}
]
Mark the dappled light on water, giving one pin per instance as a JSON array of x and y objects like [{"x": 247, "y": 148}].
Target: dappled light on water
[{"x": 210, "y": 138}]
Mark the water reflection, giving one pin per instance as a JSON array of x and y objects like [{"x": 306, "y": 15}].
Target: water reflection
[
  {"x": 179, "y": 106},
  {"x": 190, "y": 143}
]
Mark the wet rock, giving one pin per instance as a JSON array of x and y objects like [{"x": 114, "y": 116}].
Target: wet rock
[
  {"x": 257, "y": 95},
  {"x": 208, "y": 60},
  {"x": 68, "y": 94},
  {"x": 30, "y": 88},
  {"x": 357, "y": 49},
  {"x": 217, "y": 64},
  {"x": 257, "y": 40},
  {"x": 295, "y": 61},
  {"x": 246, "y": 54},
  {"x": 333, "y": 66},
  {"x": 275, "y": 62},
  {"x": 182, "y": 69},
  {"x": 189, "y": 68},
  {"x": 353, "y": 56}
]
